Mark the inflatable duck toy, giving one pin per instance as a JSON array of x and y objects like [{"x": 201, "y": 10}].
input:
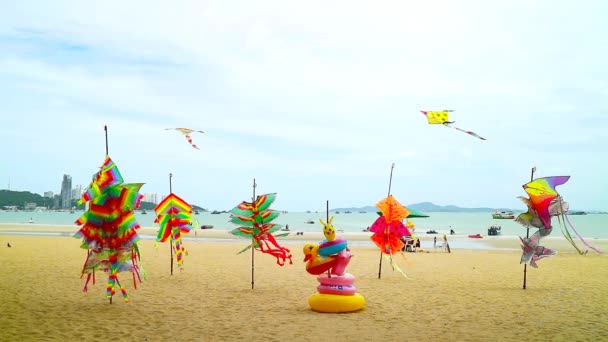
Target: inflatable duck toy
[
  {"x": 315, "y": 263},
  {"x": 328, "y": 260}
]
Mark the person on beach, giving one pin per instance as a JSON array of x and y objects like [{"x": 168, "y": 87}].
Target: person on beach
[
  {"x": 434, "y": 242},
  {"x": 8, "y": 244}
]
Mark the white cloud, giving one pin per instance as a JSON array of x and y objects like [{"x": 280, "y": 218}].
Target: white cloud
[{"x": 310, "y": 97}]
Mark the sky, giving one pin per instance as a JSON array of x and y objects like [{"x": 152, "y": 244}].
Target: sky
[{"x": 315, "y": 100}]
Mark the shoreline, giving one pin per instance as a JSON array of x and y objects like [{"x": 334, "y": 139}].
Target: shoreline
[{"x": 457, "y": 241}]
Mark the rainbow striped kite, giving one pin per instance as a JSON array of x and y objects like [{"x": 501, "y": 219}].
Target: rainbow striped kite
[
  {"x": 108, "y": 228},
  {"x": 174, "y": 216}
]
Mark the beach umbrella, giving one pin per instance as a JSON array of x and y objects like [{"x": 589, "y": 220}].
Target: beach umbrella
[
  {"x": 108, "y": 227},
  {"x": 415, "y": 214},
  {"x": 254, "y": 220},
  {"x": 174, "y": 216}
]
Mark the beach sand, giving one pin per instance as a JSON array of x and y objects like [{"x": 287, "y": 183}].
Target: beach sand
[{"x": 466, "y": 295}]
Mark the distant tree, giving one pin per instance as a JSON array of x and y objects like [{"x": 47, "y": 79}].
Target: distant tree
[{"x": 20, "y": 198}]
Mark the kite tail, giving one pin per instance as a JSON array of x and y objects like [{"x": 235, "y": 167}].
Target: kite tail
[
  {"x": 407, "y": 261},
  {"x": 86, "y": 283},
  {"x": 580, "y": 237},
  {"x": 567, "y": 233},
  {"x": 281, "y": 253},
  {"x": 179, "y": 255},
  {"x": 464, "y": 131},
  {"x": 389, "y": 257}
]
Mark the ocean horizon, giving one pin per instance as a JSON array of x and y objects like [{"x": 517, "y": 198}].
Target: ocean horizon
[{"x": 592, "y": 226}]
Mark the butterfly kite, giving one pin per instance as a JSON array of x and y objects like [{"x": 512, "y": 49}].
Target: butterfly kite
[
  {"x": 441, "y": 117},
  {"x": 108, "y": 228},
  {"x": 186, "y": 132},
  {"x": 389, "y": 228},
  {"x": 543, "y": 203}
]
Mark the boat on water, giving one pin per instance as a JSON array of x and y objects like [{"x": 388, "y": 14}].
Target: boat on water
[
  {"x": 143, "y": 212},
  {"x": 577, "y": 213},
  {"x": 348, "y": 212},
  {"x": 310, "y": 221},
  {"x": 476, "y": 236},
  {"x": 432, "y": 231},
  {"x": 206, "y": 226},
  {"x": 503, "y": 215}
]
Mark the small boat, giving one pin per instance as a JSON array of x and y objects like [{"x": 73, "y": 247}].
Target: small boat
[
  {"x": 143, "y": 212},
  {"x": 503, "y": 215},
  {"x": 30, "y": 221},
  {"x": 348, "y": 212},
  {"x": 310, "y": 222},
  {"x": 196, "y": 212},
  {"x": 215, "y": 212},
  {"x": 432, "y": 231},
  {"x": 476, "y": 236},
  {"x": 206, "y": 226}
]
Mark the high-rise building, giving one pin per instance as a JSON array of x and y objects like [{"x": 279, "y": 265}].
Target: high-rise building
[
  {"x": 151, "y": 197},
  {"x": 48, "y": 194},
  {"x": 65, "y": 198},
  {"x": 77, "y": 191}
]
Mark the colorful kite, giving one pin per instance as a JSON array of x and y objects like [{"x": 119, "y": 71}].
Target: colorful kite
[
  {"x": 389, "y": 228},
  {"x": 441, "y": 118},
  {"x": 174, "y": 218},
  {"x": 544, "y": 202},
  {"x": 254, "y": 220},
  {"x": 108, "y": 228},
  {"x": 186, "y": 132}
]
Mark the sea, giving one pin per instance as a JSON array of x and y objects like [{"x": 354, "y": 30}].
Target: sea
[{"x": 591, "y": 226}]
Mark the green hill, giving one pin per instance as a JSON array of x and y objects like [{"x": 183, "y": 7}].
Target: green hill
[{"x": 20, "y": 198}]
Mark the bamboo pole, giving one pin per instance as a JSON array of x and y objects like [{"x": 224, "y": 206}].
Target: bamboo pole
[
  {"x": 253, "y": 243},
  {"x": 528, "y": 231},
  {"x": 171, "y": 240},
  {"x": 390, "y": 181}
]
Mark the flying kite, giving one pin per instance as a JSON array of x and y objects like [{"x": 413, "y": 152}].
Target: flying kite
[
  {"x": 442, "y": 117},
  {"x": 186, "y": 132}
]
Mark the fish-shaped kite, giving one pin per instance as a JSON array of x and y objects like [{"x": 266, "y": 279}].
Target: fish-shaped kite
[
  {"x": 442, "y": 117},
  {"x": 186, "y": 132}
]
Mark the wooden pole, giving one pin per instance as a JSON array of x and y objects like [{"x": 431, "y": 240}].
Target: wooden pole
[
  {"x": 528, "y": 231},
  {"x": 327, "y": 211},
  {"x": 390, "y": 181},
  {"x": 105, "y": 128},
  {"x": 253, "y": 243},
  {"x": 171, "y": 240}
]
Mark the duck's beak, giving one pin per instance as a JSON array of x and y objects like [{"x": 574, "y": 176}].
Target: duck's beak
[{"x": 307, "y": 257}]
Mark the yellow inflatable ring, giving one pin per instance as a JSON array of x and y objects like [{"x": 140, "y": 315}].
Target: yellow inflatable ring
[{"x": 336, "y": 303}]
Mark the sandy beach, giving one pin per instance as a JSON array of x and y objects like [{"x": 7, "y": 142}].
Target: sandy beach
[{"x": 466, "y": 295}]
